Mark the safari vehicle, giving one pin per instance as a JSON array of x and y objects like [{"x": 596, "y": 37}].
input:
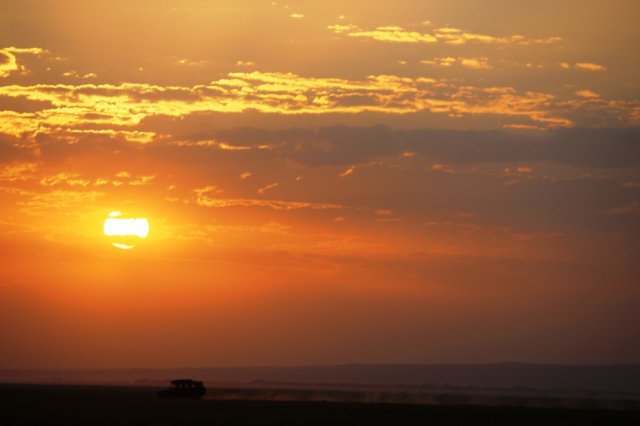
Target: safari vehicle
[{"x": 184, "y": 388}]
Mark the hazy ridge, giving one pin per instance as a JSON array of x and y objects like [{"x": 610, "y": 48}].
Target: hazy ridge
[{"x": 608, "y": 378}]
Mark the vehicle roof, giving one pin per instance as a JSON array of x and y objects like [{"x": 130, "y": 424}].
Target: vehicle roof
[{"x": 185, "y": 382}]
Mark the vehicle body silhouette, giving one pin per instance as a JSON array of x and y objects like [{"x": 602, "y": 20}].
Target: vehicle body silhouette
[{"x": 184, "y": 388}]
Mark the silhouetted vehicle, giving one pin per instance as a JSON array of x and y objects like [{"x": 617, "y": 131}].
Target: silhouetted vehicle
[{"x": 184, "y": 388}]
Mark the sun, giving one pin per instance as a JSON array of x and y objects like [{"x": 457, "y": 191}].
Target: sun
[{"x": 125, "y": 231}]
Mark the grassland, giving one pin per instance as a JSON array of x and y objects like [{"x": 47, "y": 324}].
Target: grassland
[{"x": 108, "y": 405}]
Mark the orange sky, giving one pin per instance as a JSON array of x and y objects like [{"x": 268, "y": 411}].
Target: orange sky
[{"x": 415, "y": 181}]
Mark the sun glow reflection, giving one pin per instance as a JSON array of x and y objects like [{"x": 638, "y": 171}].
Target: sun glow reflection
[{"x": 123, "y": 246}]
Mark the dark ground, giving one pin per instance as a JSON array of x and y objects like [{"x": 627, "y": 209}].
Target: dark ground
[{"x": 103, "y": 405}]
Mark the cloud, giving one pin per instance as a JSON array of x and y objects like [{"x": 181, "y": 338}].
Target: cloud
[
  {"x": 76, "y": 74},
  {"x": 584, "y": 66},
  {"x": 26, "y": 50},
  {"x": 378, "y": 184},
  {"x": 392, "y": 34},
  {"x": 68, "y": 179},
  {"x": 347, "y": 171},
  {"x": 458, "y": 36},
  {"x": 268, "y": 187},
  {"x": 589, "y": 66},
  {"x": 9, "y": 61},
  {"x": 62, "y": 202},
  {"x": 203, "y": 195},
  {"x": 446, "y": 35},
  {"x": 120, "y": 109},
  {"x": 587, "y": 94},
  {"x": 577, "y": 147},
  {"x": 480, "y": 63},
  {"x": 17, "y": 172},
  {"x": 102, "y": 107},
  {"x": 271, "y": 204},
  {"x": 346, "y": 147},
  {"x": 589, "y": 109},
  {"x": 22, "y": 104},
  {"x": 13, "y": 149},
  {"x": 633, "y": 207},
  {"x": 445, "y": 62}
]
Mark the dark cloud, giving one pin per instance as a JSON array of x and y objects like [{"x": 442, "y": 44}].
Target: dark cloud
[
  {"x": 22, "y": 104},
  {"x": 4, "y": 58},
  {"x": 76, "y": 147},
  {"x": 542, "y": 201},
  {"x": 166, "y": 94},
  {"x": 549, "y": 196},
  {"x": 354, "y": 100},
  {"x": 343, "y": 145},
  {"x": 10, "y": 149},
  {"x": 594, "y": 147}
]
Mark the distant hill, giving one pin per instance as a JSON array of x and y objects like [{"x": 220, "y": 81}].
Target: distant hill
[{"x": 613, "y": 378}]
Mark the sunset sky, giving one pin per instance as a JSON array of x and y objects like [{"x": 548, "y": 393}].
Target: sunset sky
[{"x": 417, "y": 181}]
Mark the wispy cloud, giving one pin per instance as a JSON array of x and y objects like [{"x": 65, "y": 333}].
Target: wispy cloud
[
  {"x": 583, "y": 66},
  {"x": 587, "y": 94},
  {"x": 271, "y": 204},
  {"x": 393, "y": 34},
  {"x": 348, "y": 171},
  {"x": 9, "y": 62},
  {"x": 117, "y": 108},
  {"x": 446, "y": 35},
  {"x": 268, "y": 187},
  {"x": 62, "y": 202},
  {"x": 590, "y": 66},
  {"x": 457, "y": 36},
  {"x": 120, "y": 108},
  {"x": 477, "y": 63}
]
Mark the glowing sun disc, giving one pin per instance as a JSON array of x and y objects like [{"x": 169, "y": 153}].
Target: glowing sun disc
[{"x": 125, "y": 228}]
